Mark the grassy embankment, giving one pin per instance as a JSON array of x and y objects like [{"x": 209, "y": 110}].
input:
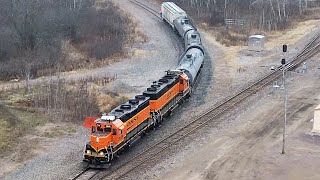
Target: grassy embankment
[{"x": 15, "y": 123}]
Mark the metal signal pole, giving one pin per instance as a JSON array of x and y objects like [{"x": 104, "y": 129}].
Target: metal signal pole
[{"x": 283, "y": 62}]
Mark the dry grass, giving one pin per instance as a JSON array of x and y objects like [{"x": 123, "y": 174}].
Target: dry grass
[
  {"x": 292, "y": 35},
  {"x": 21, "y": 112},
  {"x": 57, "y": 130},
  {"x": 66, "y": 100},
  {"x": 107, "y": 102},
  {"x": 294, "y": 31},
  {"x": 15, "y": 123},
  {"x": 230, "y": 38}
]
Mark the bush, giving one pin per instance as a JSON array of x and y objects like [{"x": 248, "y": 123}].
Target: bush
[{"x": 32, "y": 34}]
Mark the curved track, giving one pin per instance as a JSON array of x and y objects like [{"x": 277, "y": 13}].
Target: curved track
[
  {"x": 154, "y": 152},
  {"x": 167, "y": 28},
  {"x": 86, "y": 174},
  {"x": 152, "y": 11},
  {"x": 89, "y": 173}
]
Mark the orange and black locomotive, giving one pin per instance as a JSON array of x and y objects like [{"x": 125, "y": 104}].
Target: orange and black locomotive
[{"x": 115, "y": 130}]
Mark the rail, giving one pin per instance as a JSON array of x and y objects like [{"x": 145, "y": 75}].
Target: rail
[
  {"x": 152, "y": 11},
  {"x": 86, "y": 174},
  {"x": 118, "y": 171},
  {"x": 155, "y": 151}
]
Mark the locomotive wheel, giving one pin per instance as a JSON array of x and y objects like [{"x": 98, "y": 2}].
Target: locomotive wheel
[
  {"x": 84, "y": 164},
  {"x": 181, "y": 101},
  {"x": 168, "y": 113}
]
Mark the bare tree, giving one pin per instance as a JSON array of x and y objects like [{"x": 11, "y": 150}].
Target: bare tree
[{"x": 40, "y": 28}]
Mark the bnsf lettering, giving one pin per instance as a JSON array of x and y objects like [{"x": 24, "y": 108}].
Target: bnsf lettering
[
  {"x": 131, "y": 123},
  {"x": 169, "y": 94}
]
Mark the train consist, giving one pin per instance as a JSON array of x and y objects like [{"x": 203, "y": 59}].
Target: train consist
[{"x": 116, "y": 130}]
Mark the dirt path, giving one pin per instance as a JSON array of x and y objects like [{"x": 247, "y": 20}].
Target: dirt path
[{"x": 245, "y": 160}]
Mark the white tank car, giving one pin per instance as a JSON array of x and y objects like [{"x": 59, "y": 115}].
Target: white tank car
[
  {"x": 192, "y": 39},
  {"x": 191, "y": 63},
  {"x": 183, "y": 25},
  {"x": 170, "y": 11}
]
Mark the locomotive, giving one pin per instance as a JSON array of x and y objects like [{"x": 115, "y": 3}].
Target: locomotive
[{"x": 116, "y": 130}]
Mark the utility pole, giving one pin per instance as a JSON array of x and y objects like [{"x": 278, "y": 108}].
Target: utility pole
[{"x": 283, "y": 62}]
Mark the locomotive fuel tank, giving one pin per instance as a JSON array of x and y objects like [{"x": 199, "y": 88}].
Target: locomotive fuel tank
[
  {"x": 183, "y": 25},
  {"x": 191, "y": 63},
  {"x": 192, "y": 39}
]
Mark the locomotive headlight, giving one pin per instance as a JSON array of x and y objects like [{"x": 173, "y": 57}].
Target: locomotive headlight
[
  {"x": 101, "y": 153},
  {"x": 88, "y": 152}
]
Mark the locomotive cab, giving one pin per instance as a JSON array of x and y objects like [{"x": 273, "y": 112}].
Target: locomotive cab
[{"x": 105, "y": 133}]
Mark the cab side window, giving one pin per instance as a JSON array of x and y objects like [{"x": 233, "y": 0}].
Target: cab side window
[
  {"x": 114, "y": 132},
  {"x": 93, "y": 129}
]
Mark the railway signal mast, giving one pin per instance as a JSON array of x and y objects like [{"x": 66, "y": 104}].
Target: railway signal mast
[{"x": 283, "y": 62}]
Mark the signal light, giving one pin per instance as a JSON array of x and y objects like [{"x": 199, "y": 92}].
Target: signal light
[{"x": 284, "y": 48}]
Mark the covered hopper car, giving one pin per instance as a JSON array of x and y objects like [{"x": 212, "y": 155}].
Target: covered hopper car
[{"x": 170, "y": 12}]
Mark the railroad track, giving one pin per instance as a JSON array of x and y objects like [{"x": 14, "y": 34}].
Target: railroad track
[
  {"x": 86, "y": 174},
  {"x": 155, "y": 151},
  {"x": 156, "y": 13},
  {"x": 118, "y": 171},
  {"x": 89, "y": 173},
  {"x": 152, "y": 11}
]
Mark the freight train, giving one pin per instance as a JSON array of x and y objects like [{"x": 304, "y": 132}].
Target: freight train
[{"x": 116, "y": 130}]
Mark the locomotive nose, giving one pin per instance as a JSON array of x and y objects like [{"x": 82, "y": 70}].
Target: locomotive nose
[
  {"x": 96, "y": 151},
  {"x": 100, "y": 142}
]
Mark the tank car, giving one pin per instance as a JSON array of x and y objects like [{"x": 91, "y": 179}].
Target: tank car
[
  {"x": 191, "y": 63},
  {"x": 192, "y": 39},
  {"x": 183, "y": 25}
]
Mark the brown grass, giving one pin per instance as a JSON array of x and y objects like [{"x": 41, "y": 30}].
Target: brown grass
[
  {"x": 229, "y": 38},
  {"x": 15, "y": 123},
  {"x": 108, "y": 102}
]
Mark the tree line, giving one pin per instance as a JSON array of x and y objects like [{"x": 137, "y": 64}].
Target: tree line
[
  {"x": 264, "y": 15},
  {"x": 32, "y": 34}
]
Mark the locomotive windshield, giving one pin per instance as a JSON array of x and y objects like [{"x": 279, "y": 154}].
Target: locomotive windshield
[{"x": 101, "y": 130}]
